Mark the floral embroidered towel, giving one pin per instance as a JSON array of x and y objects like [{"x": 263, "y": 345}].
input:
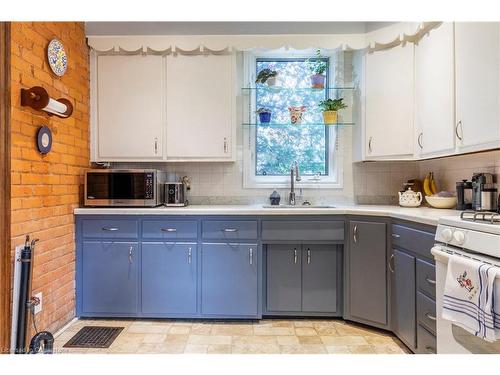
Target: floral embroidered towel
[{"x": 469, "y": 297}]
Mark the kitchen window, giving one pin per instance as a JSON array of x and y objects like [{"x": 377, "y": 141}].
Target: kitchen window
[{"x": 271, "y": 149}]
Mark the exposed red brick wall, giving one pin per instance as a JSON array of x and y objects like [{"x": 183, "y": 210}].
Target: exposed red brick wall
[{"x": 46, "y": 189}]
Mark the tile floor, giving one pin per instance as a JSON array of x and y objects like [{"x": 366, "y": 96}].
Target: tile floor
[{"x": 268, "y": 336}]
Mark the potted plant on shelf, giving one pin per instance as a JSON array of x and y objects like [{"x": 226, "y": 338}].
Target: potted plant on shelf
[
  {"x": 317, "y": 66},
  {"x": 267, "y": 76},
  {"x": 330, "y": 107},
  {"x": 296, "y": 114},
  {"x": 264, "y": 115}
]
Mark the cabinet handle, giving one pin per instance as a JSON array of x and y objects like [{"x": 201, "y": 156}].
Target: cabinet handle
[
  {"x": 396, "y": 236},
  {"x": 391, "y": 261},
  {"x": 130, "y": 254},
  {"x": 429, "y": 316},
  {"x": 189, "y": 256},
  {"x": 370, "y": 144},
  {"x": 168, "y": 229},
  {"x": 229, "y": 230},
  {"x": 156, "y": 146},
  {"x": 250, "y": 253},
  {"x": 295, "y": 257},
  {"x": 110, "y": 229},
  {"x": 308, "y": 256},
  {"x": 355, "y": 234},
  {"x": 430, "y": 349},
  {"x": 432, "y": 282},
  {"x": 420, "y": 140},
  {"x": 459, "y": 124},
  {"x": 225, "y": 145}
]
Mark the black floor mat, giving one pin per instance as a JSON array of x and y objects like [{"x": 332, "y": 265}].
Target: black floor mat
[{"x": 94, "y": 337}]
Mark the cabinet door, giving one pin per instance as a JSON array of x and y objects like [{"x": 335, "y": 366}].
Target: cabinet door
[
  {"x": 168, "y": 278},
  {"x": 229, "y": 285},
  {"x": 435, "y": 92},
  {"x": 404, "y": 297},
  {"x": 319, "y": 278},
  {"x": 477, "y": 56},
  {"x": 284, "y": 278},
  {"x": 389, "y": 80},
  {"x": 367, "y": 294},
  {"x": 109, "y": 277},
  {"x": 130, "y": 107},
  {"x": 201, "y": 106}
]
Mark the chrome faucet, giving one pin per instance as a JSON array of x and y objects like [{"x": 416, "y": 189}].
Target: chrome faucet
[{"x": 294, "y": 169}]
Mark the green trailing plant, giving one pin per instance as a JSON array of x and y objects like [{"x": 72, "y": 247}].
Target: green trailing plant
[
  {"x": 263, "y": 110},
  {"x": 265, "y": 74},
  {"x": 317, "y": 65},
  {"x": 332, "y": 104}
]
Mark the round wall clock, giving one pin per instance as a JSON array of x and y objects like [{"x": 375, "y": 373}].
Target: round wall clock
[
  {"x": 44, "y": 140},
  {"x": 58, "y": 60}
]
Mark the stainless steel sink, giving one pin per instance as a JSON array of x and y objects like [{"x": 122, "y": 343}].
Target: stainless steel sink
[{"x": 297, "y": 206}]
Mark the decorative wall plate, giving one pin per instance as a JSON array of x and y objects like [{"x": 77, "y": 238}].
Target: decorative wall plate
[
  {"x": 58, "y": 60},
  {"x": 44, "y": 140}
]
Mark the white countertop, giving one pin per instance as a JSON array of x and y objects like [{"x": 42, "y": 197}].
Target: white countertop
[{"x": 423, "y": 215}]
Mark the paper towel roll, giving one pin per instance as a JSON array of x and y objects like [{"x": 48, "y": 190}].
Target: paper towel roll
[{"x": 56, "y": 107}]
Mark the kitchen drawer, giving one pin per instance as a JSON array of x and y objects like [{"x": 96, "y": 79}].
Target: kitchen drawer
[
  {"x": 414, "y": 240},
  {"x": 229, "y": 229},
  {"x": 110, "y": 228},
  {"x": 426, "y": 341},
  {"x": 426, "y": 278},
  {"x": 302, "y": 230},
  {"x": 426, "y": 312},
  {"x": 169, "y": 229}
]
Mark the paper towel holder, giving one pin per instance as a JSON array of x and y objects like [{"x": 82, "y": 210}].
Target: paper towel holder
[{"x": 38, "y": 98}]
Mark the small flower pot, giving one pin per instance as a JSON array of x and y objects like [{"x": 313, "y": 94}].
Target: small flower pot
[
  {"x": 296, "y": 114},
  {"x": 271, "y": 81},
  {"x": 265, "y": 117},
  {"x": 330, "y": 117},
  {"x": 318, "y": 81}
]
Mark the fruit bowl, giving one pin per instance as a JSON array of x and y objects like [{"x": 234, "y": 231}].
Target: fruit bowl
[{"x": 441, "y": 202}]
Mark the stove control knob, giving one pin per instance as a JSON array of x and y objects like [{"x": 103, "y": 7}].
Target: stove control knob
[
  {"x": 447, "y": 234},
  {"x": 459, "y": 237}
]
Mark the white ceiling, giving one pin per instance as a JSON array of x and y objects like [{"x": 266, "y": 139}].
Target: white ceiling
[{"x": 229, "y": 28}]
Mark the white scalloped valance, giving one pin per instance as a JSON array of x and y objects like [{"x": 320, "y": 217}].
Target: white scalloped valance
[{"x": 387, "y": 37}]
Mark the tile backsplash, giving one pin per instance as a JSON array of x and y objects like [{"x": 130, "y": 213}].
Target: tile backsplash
[{"x": 364, "y": 182}]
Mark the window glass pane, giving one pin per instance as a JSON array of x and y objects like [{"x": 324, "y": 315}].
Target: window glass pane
[{"x": 280, "y": 144}]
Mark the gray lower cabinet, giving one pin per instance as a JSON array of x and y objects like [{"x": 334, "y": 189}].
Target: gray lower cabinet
[
  {"x": 109, "y": 278},
  {"x": 169, "y": 278},
  {"x": 302, "y": 278},
  {"x": 403, "y": 288},
  {"x": 367, "y": 273},
  {"x": 284, "y": 278},
  {"x": 229, "y": 279},
  {"x": 320, "y": 273}
]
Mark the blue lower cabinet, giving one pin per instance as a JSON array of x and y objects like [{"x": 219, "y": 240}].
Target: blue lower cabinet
[
  {"x": 169, "y": 278},
  {"x": 320, "y": 275},
  {"x": 109, "y": 282},
  {"x": 229, "y": 280}
]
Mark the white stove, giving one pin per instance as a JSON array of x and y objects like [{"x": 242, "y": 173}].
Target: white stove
[{"x": 473, "y": 235}]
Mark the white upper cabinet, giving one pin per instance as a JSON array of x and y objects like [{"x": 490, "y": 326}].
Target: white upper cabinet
[
  {"x": 200, "y": 107},
  {"x": 389, "y": 103},
  {"x": 477, "y": 56},
  {"x": 435, "y": 93},
  {"x": 128, "y": 117}
]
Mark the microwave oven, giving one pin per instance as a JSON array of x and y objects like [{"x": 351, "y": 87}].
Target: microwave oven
[{"x": 124, "y": 187}]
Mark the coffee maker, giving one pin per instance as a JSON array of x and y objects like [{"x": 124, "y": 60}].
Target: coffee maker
[
  {"x": 484, "y": 193},
  {"x": 464, "y": 195}
]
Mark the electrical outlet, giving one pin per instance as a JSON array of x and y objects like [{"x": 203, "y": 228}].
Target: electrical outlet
[{"x": 38, "y": 307}]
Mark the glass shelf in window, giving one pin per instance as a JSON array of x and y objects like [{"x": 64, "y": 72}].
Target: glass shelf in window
[
  {"x": 279, "y": 125},
  {"x": 296, "y": 89}
]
